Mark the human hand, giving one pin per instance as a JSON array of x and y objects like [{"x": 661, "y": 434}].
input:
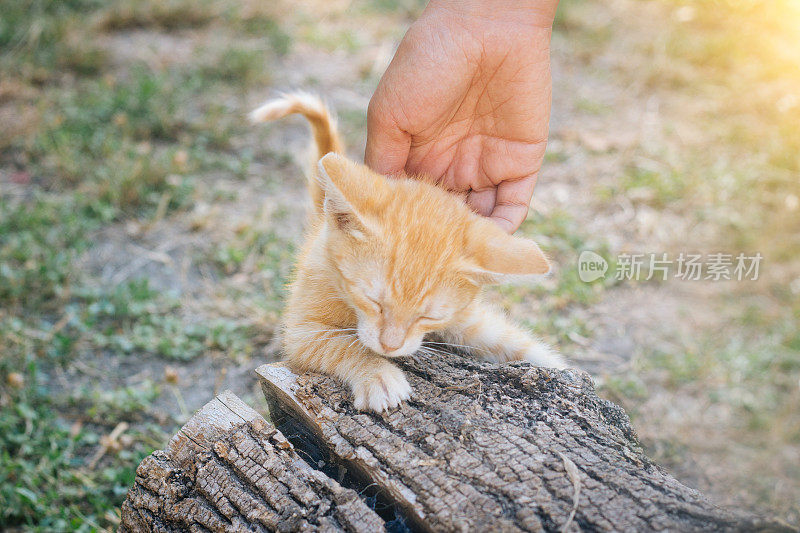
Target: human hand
[{"x": 466, "y": 102}]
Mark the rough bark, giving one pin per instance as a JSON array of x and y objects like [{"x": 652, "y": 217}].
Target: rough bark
[
  {"x": 230, "y": 470},
  {"x": 493, "y": 447}
]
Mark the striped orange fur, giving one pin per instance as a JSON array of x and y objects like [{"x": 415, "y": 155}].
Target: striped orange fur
[{"x": 387, "y": 261}]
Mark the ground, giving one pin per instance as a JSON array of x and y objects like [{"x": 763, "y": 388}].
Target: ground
[{"x": 147, "y": 231}]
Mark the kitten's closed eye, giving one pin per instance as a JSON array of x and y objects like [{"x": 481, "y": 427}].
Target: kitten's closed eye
[{"x": 375, "y": 303}]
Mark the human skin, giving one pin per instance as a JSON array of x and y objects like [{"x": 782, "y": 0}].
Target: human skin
[{"x": 465, "y": 103}]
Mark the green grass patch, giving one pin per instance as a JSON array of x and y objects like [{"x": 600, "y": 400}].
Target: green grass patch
[
  {"x": 96, "y": 147},
  {"x": 264, "y": 25},
  {"x": 42, "y": 485},
  {"x": 754, "y": 372},
  {"x": 41, "y": 38},
  {"x": 46, "y": 480},
  {"x": 560, "y": 236},
  {"x": 47, "y": 319},
  {"x": 409, "y": 8},
  {"x": 562, "y": 293},
  {"x": 39, "y": 240},
  {"x": 259, "y": 250},
  {"x": 237, "y": 66},
  {"x": 135, "y": 319},
  {"x": 743, "y": 59},
  {"x": 626, "y": 388},
  {"x": 103, "y": 138},
  {"x": 158, "y": 14},
  {"x": 101, "y": 405},
  {"x": 656, "y": 187},
  {"x": 568, "y": 15},
  {"x": 125, "y": 144}
]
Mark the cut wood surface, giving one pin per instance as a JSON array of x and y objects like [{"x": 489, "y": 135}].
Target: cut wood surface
[
  {"x": 228, "y": 469},
  {"x": 484, "y": 447}
]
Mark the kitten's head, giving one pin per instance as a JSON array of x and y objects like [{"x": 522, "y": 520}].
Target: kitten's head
[{"x": 407, "y": 256}]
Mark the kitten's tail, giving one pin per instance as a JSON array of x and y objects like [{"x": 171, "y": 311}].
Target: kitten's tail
[{"x": 323, "y": 128}]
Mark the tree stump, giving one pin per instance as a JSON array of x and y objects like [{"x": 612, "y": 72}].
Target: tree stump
[
  {"x": 228, "y": 469},
  {"x": 479, "y": 447}
]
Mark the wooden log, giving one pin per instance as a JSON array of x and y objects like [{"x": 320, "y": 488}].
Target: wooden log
[
  {"x": 485, "y": 447},
  {"x": 228, "y": 469}
]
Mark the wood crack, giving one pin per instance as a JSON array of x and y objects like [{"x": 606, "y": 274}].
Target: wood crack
[{"x": 228, "y": 469}]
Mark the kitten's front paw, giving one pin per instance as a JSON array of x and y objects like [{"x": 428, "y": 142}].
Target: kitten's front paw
[
  {"x": 382, "y": 389},
  {"x": 541, "y": 354}
]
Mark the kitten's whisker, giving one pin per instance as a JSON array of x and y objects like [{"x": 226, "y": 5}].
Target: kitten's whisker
[
  {"x": 468, "y": 348},
  {"x": 426, "y": 351},
  {"x": 449, "y": 344},
  {"x": 435, "y": 349},
  {"x": 439, "y": 351}
]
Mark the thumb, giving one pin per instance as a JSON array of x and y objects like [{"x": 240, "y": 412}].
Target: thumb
[{"x": 387, "y": 145}]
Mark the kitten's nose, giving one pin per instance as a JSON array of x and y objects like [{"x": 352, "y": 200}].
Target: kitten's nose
[{"x": 392, "y": 338}]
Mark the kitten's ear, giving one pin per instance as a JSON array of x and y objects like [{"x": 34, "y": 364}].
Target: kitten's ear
[
  {"x": 336, "y": 175},
  {"x": 497, "y": 257}
]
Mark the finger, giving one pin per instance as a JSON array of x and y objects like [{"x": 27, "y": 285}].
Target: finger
[
  {"x": 512, "y": 202},
  {"x": 387, "y": 145},
  {"x": 482, "y": 202}
]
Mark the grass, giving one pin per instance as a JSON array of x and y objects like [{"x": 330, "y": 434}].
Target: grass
[
  {"x": 128, "y": 403},
  {"x": 134, "y": 319},
  {"x": 746, "y": 49},
  {"x": 39, "y": 241},
  {"x": 46, "y": 483},
  {"x": 167, "y": 15},
  {"x": 734, "y": 64},
  {"x": 560, "y": 296},
  {"x": 42, "y": 483},
  {"x": 406, "y": 7},
  {"x": 263, "y": 24},
  {"x": 49, "y": 319},
  {"x": 656, "y": 187},
  {"x": 41, "y": 38},
  {"x": 755, "y": 373},
  {"x": 259, "y": 251},
  {"x": 126, "y": 142},
  {"x": 100, "y": 146},
  {"x": 101, "y": 137},
  {"x": 237, "y": 66}
]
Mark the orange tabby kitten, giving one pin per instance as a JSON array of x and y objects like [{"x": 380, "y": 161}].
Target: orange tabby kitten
[{"x": 388, "y": 260}]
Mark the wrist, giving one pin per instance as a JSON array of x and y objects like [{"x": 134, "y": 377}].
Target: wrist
[{"x": 539, "y": 13}]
